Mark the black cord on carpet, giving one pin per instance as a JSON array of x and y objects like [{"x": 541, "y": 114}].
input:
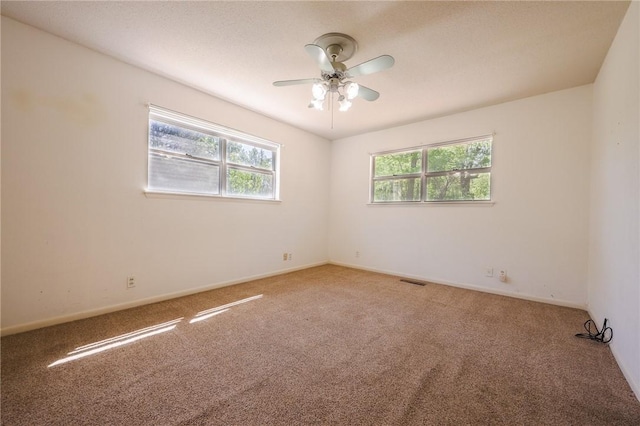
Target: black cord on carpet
[
  {"x": 413, "y": 282},
  {"x": 603, "y": 336}
]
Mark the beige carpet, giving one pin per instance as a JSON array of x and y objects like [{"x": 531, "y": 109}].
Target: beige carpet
[{"x": 327, "y": 345}]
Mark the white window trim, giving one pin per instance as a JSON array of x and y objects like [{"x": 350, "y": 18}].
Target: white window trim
[
  {"x": 423, "y": 174},
  {"x": 479, "y": 203},
  {"x": 190, "y": 122},
  {"x": 150, "y": 193}
]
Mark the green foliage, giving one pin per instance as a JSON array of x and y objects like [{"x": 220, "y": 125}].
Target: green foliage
[
  {"x": 459, "y": 157},
  {"x": 451, "y": 173},
  {"x": 240, "y": 182},
  {"x": 398, "y": 164},
  {"x": 397, "y": 190},
  {"x": 460, "y": 183},
  {"x": 249, "y": 155},
  {"x": 459, "y": 187}
]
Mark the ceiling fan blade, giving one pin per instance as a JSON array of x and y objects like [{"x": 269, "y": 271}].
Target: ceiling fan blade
[
  {"x": 318, "y": 54},
  {"x": 367, "y": 94},
  {"x": 294, "y": 82},
  {"x": 374, "y": 65}
]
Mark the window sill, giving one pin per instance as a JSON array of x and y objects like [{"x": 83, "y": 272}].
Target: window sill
[
  {"x": 196, "y": 196},
  {"x": 436, "y": 203}
]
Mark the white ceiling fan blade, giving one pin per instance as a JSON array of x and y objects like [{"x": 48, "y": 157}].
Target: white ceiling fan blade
[
  {"x": 374, "y": 65},
  {"x": 294, "y": 82},
  {"x": 367, "y": 94},
  {"x": 318, "y": 54}
]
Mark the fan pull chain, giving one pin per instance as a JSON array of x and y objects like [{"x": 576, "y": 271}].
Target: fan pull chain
[{"x": 331, "y": 108}]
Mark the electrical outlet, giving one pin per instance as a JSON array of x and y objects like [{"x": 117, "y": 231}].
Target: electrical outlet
[
  {"x": 284, "y": 256},
  {"x": 488, "y": 272},
  {"x": 357, "y": 254},
  {"x": 503, "y": 275},
  {"x": 131, "y": 282},
  {"x": 290, "y": 255}
]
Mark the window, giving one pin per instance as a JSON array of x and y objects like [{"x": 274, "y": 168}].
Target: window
[
  {"x": 191, "y": 156},
  {"x": 451, "y": 171}
]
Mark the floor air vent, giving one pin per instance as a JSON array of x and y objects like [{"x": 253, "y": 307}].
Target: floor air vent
[{"x": 416, "y": 282}]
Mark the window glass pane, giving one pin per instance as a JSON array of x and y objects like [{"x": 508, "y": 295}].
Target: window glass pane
[
  {"x": 459, "y": 157},
  {"x": 168, "y": 173},
  {"x": 246, "y": 183},
  {"x": 249, "y": 155},
  {"x": 397, "y": 190},
  {"x": 459, "y": 187},
  {"x": 398, "y": 164},
  {"x": 183, "y": 141}
]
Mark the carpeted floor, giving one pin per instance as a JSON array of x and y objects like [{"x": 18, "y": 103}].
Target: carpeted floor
[{"x": 327, "y": 345}]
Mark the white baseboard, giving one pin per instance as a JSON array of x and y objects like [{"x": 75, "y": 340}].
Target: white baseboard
[
  {"x": 557, "y": 302},
  {"x": 635, "y": 386},
  {"x": 20, "y": 328}
]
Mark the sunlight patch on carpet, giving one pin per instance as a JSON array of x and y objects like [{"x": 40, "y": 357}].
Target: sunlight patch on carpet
[
  {"x": 200, "y": 317},
  {"x": 227, "y": 306},
  {"x": 114, "y": 342},
  {"x": 124, "y": 339}
]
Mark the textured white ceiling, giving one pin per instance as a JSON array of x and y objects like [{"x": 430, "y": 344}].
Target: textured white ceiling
[{"x": 450, "y": 56}]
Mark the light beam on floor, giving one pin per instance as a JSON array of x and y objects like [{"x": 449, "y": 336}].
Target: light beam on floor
[
  {"x": 114, "y": 342},
  {"x": 206, "y": 316},
  {"x": 228, "y": 305}
]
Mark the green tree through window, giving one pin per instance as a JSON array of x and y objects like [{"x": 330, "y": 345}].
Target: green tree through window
[{"x": 457, "y": 171}]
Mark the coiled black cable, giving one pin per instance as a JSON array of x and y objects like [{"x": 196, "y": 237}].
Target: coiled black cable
[{"x": 603, "y": 336}]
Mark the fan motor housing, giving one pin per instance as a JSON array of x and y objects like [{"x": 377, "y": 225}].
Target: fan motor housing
[{"x": 338, "y": 47}]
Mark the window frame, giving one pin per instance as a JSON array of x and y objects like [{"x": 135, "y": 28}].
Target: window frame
[
  {"x": 224, "y": 135},
  {"x": 424, "y": 174}
]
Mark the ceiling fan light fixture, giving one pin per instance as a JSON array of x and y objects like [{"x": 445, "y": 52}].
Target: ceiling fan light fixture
[
  {"x": 319, "y": 91},
  {"x": 351, "y": 89},
  {"x": 317, "y": 104},
  {"x": 344, "y": 103}
]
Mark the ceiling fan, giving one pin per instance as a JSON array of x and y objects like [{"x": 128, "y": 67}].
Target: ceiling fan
[{"x": 329, "y": 51}]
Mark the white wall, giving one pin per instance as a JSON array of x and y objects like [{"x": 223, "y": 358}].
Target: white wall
[
  {"x": 536, "y": 230},
  {"x": 75, "y": 220},
  {"x": 614, "y": 244}
]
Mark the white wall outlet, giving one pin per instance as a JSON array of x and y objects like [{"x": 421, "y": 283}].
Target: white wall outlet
[
  {"x": 131, "y": 281},
  {"x": 503, "y": 275},
  {"x": 488, "y": 272},
  {"x": 290, "y": 256},
  {"x": 285, "y": 256},
  {"x": 357, "y": 253}
]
